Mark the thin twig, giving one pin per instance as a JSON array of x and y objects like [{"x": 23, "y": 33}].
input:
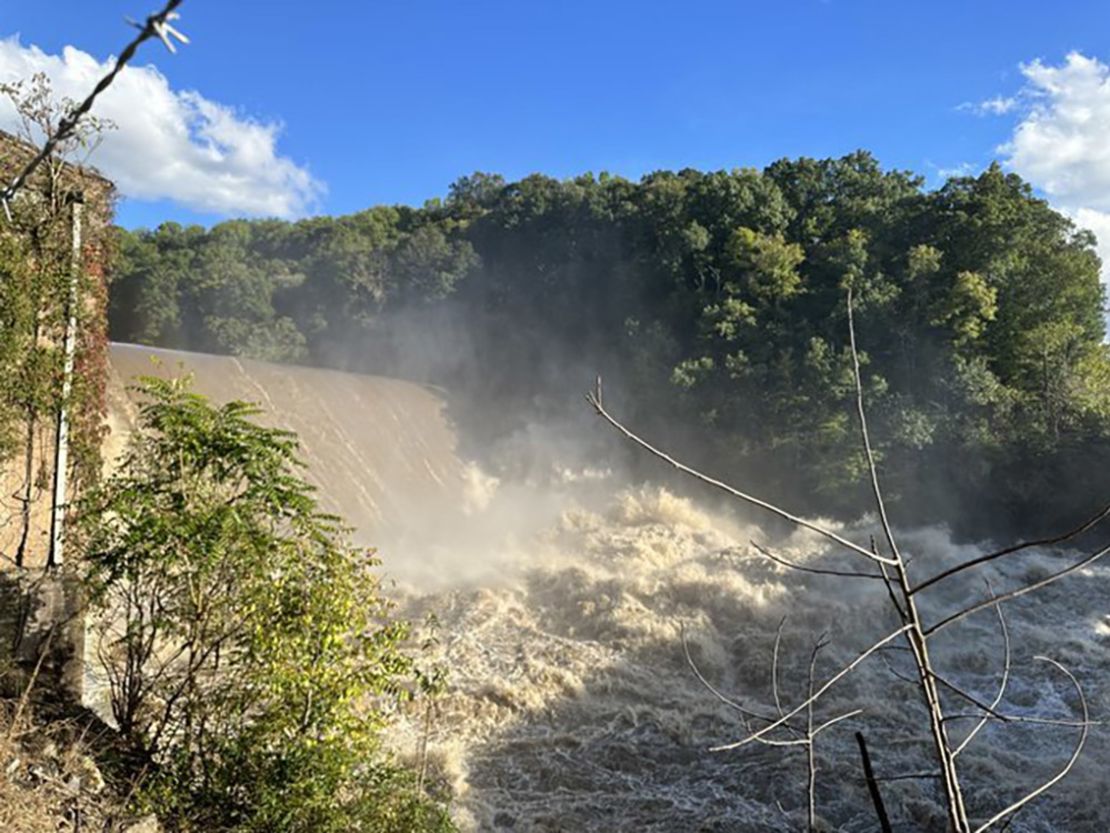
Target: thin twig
[
  {"x": 986, "y": 712},
  {"x": 156, "y": 27},
  {"x": 865, "y": 438},
  {"x": 775, "y": 667},
  {"x": 594, "y": 398},
  {"x": 833, "y": 721},
  {"x": 900, "y": 675},
  {"x": 1020, "y": 718},
  {"x": 971, "y": 698},
  {"x": 728, "y": 701},
  {"x": 811, "y": 747},
  {"x": 889, "y": 583},
  {"x": 820, "y": 571},
  {"x": 909, "y": 776},
  {"x": 1001, "y": 686},
  {"x": 1044, "y": 542},
  {"x": 847, "y": 669},
  {"x": 1021, "y": 591},
  {"x": 1083, "y": 732}
]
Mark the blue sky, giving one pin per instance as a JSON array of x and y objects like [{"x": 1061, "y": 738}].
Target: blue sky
[{"x": 360, "y": 103}]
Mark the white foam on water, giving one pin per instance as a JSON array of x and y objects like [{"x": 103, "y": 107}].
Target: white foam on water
[{"x": 571, "y": 706}]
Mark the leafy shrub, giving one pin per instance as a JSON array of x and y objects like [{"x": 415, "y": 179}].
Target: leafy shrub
[{"x": 250, "y": 655}]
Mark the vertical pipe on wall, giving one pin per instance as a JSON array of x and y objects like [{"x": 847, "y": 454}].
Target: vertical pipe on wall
[{"x": 61, "y": 444}]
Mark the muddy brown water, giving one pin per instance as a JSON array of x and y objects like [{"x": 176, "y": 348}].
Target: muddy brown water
[{"x": 381, "y": 451}]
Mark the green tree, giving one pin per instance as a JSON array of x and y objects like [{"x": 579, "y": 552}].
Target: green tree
[
  {"x": 717, "y": 298},
  {"x": 251, "y": 657}
]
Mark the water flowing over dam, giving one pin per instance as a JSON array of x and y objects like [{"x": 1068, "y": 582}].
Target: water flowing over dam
[
  {"x": 381, "y": 451},
  {"x": 563, "y": 605}
]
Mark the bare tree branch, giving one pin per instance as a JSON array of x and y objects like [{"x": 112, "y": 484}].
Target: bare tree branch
[
  {"x": 594, "y": 398},
  {"x": 915, "y": 635},
  {"x": 1021, "y": 591},
  {"x": 905, "y": 678},
  {"x": 811, "y": 747},
  {"x": 728, "y": 701},
  {"x": 1020, "y": 718},
  {"x": 909, "y": 776},
  {"x": 1001, "y": 686},
  {"x": 834, "y": 720},
  {"x": 775, "y": 666},
  {"x": 847, "y": 669},
  {"x": 1084, "y": 731},
  {"x": 778, "y": 559},
  {"x": 1044, "y": 542},
  {"x": 986, "y": 712},
  {"x": 889, "y": 585},
  {"x": 156, "y": 26},
  {"x": 865, "y": 437}
]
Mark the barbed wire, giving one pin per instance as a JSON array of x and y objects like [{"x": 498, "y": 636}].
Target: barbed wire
[{"x": 156, "y": 26}]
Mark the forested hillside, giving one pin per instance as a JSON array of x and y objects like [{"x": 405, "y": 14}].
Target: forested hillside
[{"x": 714, "y": 304}]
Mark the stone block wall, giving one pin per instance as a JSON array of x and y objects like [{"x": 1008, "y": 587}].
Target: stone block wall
[{"x": 42, "y": 625}]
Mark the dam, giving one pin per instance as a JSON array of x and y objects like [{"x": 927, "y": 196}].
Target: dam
[
  {"x": 381, "y": 451},
  {"x": 568, "y": 615}
]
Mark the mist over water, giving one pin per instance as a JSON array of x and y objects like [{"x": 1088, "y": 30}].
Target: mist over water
[{"x": 563, "y": 591}]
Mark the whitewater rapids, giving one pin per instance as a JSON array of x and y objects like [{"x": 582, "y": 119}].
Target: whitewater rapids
[
  {"x": 562, "y": 606},
  {"x": 572, "y": 705}
]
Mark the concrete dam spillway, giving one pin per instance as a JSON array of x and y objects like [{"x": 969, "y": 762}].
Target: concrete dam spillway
[
  {"x": 381, "y": 451},
  {"x": 566, "y": 606}
]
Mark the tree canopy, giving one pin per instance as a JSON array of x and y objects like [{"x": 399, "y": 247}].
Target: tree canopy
[{"x": 716, "y": 300}]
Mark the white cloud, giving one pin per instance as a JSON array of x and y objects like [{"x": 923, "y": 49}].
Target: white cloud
[
  {"x": 1060, "y": 141},
  {"x": 960, "y": 170},
  {"x": 170, "y": 144},
  {"x": 997, "y": 106}
]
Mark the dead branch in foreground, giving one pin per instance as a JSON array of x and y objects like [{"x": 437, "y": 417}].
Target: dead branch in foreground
[
  {"x": 806, "y": 737},
  {"x": 157, "y": 25},
  {"x": 902, "y": 595},
  {"x": 872, "y": 785}
]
